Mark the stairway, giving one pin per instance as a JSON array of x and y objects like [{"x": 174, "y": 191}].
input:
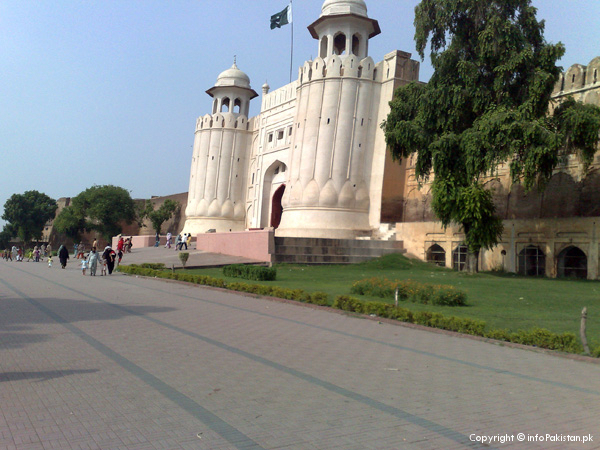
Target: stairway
[{"x": 296, "y": 250}]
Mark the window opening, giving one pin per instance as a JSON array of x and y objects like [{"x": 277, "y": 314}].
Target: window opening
[
  {"x": 459, "y": 257},
  {"x": 532, "y": 262},
  {"x": 355, "y": 44},
  {"x": 225, "y": 105},
  {"x": 339, "y": 44}
]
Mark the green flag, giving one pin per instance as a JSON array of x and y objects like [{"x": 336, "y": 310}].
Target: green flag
[{"x": 282, "y": 18}]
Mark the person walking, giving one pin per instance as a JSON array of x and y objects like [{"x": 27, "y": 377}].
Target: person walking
[
  {"x": 157, "y": 239},
  {"x": 63, "y": 256},
  {"x": 93, "y": 261},
  {"x": 169, "y": 236},
  {"x": 80, "y": 250},
  {"x": 109, "y": 256}
]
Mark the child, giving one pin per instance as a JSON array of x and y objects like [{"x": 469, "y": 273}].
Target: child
[
  {"x": 103, "y": 272},
  {"x": 50, "y": 261},
  {"x": 83, "y": 265}
]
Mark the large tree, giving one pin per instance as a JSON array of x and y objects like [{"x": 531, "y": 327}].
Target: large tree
[
  {"x": 27, "y": 214},
  {"x": 160, "y": 215},
  {"x": 99, "y": 208},
  {"x": 486, "y": 104}
]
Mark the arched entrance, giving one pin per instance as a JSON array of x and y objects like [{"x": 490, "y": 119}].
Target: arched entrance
[
  {"x": 276, "y": 208},
  {"x": 572, "y": 262},
  {"x": 273, "y": 181},
  {"x": 436, "y": 255}
]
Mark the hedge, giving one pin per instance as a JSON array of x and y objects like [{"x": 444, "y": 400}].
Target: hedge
[
  {"x": 538, "y": 337},
  {"x": 257, "y": 273},
  {"x": 410, "y": 290}
]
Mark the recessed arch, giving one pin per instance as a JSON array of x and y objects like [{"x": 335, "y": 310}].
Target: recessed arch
[
  {"x": 237, "y": 106},
  {"x": 572, "y": 263},
  {"x": 436, "y": 255},
  {"x": 225, "y": 105},
  {"x": 339, "y": 44},
  {"x": 356, "y": 44}
]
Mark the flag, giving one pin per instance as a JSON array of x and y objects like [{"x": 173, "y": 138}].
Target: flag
[{"x": 282, "y": 18}]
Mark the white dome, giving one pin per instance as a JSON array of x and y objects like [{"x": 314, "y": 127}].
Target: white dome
[
  {"x": 233, "y": 77},
  {"x": 334, "y": 7}
]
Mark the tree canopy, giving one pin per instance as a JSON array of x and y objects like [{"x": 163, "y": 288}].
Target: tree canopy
[
  {"x": 99, "y": 208},
  {"x": 486, "y": 104},
  {"x": 27, "y": 214},
  {"x": 162, "y": 214}
]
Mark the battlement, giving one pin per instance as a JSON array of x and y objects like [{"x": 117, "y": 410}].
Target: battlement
[
  {"x": 222, "y": 120},
  {"x": 579, "y": 77},
  {"x": 337, "y": 66},
  {"x": 279, "y": 96}
]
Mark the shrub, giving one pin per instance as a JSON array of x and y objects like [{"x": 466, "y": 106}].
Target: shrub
[
  {"x": 155, "y": 266},
  {"x": 248, "y": 272},
  {"x": 183, "y": 257},
  {"x": 318, "y": 298},
  {"x": 410, "y": 290}
]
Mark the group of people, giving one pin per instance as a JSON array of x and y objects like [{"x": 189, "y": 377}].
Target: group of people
[
  {"x": 182, "y": 241},
  {"x": 107, "y": 260},
  {"x": 37, "y": 253}
]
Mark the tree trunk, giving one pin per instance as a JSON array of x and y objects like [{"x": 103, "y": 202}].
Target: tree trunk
[{"x": 472, "y": 263}]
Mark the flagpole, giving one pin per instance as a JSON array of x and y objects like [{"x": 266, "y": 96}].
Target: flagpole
[{"x": 292, "y": 48}]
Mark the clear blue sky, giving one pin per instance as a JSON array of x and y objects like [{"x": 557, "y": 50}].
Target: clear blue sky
[{"x": 108, "y": 92}]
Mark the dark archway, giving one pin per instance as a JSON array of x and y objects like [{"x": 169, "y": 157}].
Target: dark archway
[
  {"x": 532, "y": 261},
  {"x": 276, "y": 208},
  {"x": 572, "y": 262},
  {"x": 436, "y": 255}
]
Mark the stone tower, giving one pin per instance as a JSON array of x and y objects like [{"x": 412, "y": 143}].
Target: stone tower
[
  {"x": 219, "y": 160},
  {"x": 327, "y": 192}
]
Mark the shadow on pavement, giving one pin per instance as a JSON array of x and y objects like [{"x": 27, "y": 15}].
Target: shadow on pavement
[
  {"x": 41, "y": 376},
  {"x": 19, "y": 316}
]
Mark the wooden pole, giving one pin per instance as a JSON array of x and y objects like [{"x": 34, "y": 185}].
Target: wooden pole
[{"x": 586, "y": 348}]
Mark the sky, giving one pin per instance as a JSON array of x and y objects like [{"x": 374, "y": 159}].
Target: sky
[{"x": 108, "y": 92}]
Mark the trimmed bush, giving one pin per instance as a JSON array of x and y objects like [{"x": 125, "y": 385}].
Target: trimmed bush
[
  {"x": 410, "y": 290},
  {"x": 155, "y": 266},
  {"x": 257, "y": 273}
]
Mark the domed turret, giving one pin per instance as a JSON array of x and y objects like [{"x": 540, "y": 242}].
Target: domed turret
[
  {"x": 344, "y": 28},
  {"x": 233, "y": 77},
  {"x": 232, "y": 92}
]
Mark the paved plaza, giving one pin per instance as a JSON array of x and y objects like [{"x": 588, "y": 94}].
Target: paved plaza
[{"x": 123, "y": 362}]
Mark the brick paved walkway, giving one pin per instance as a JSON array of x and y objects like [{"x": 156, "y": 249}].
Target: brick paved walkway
[{"x": 129, "y": 363}]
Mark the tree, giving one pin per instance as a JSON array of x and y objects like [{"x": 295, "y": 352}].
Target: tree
[
  {"x": 486, "y": 104},
  {"x": 70, "y": 223},
  {"x": 99, "y": 208},
  {"x": 6, "y": 236},
  {"x": 162, "y": 214},
  {"x": 28, "y": 213}
]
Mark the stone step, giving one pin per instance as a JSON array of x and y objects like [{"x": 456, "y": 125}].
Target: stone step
[
  {"x": 350, "y": 251},
  {"x": 331, "y": 251},
  {"x": 341, "y": 243}
]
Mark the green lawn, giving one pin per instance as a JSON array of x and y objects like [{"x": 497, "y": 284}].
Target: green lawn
[{"x": 501, "y": 300}]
